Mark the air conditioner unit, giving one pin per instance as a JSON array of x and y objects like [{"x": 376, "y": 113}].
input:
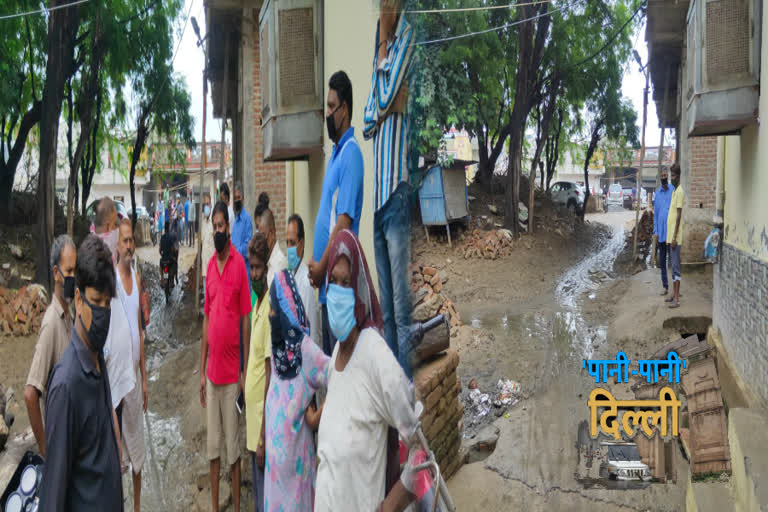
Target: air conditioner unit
[
  {"x": 723, "y": 65},
  {"x": 291, "y": 43}
]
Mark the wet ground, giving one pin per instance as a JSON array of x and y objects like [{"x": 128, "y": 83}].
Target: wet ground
[{"x": 540, "y": 343}]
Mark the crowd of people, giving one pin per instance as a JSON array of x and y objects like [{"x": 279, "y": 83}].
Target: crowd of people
[{"x": 298, "y": 346}]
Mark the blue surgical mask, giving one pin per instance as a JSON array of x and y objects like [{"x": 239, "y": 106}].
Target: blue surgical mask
[
  {"x": 293, "y": 259},
  {"x": 207, "y": 210},
  {"x": 341, "y": 311}
]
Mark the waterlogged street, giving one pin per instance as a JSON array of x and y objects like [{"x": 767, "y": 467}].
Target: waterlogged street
[{"x": 540, "y": 343}]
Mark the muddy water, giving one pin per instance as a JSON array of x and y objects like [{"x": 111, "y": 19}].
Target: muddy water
[
  {"x": 169, "y": 460},
  {"x": 537, "y": 341}
]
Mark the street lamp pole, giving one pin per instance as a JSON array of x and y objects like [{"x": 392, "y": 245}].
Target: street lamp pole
[
  {"x": 203, "y": 165},
  {"x": 639, "y": 175}
]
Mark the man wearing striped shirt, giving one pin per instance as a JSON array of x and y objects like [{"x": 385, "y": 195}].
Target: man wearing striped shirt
[{"x": 387, "y": 123}]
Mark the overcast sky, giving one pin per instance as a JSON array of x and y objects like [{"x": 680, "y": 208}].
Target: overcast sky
[{"x": 190, "y": 62}]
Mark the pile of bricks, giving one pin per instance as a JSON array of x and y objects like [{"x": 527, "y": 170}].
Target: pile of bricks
[
  {"x": 427, "y": 298},
  {"x": 22, "y": 310},
  {"x": 438, "y": 389},
  {"x": 488, "y": 245}
]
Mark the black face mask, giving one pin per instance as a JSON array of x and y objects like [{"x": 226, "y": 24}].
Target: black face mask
[
  {"x": 664, "y": 182},
  {"x": 69, "y": 286},
  {"x": 238, "y": 206},
  {"x": 258, "y": 286},
  {"x": 333, "y": 131},
  {"x": 220, "y": 241},
  {"x": 97, "y": 334}
]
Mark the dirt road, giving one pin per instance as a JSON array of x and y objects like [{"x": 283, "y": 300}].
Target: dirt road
[{"x": 540, "y": 342}]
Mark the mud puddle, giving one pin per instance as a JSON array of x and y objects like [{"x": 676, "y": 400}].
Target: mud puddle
[
  {"x": 536, "y": 342},
  {"x": 169, "y": 460}
]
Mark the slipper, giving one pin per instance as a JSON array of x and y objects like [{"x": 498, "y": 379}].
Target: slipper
[
  {"x": 671, "y": 298},
  {"x": 674, "y": 305},
  {"x": 666, "y": 291}
]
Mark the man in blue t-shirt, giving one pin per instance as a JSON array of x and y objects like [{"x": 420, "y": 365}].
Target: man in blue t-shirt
[
  {"x": 661, "y": 202},
  {"x": 342, "y": 199}
]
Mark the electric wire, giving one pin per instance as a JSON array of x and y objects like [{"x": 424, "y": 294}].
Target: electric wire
[{"x": 40, "y": 11}]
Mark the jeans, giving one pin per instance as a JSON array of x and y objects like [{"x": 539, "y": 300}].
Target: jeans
[
  {"x": 258, "y": 485},
  {"x": 674, "y": 255},
  {"x": 392, "y": 241},
  {"x": 329, "y": 340},
  {"x": 663, "y": 264}
]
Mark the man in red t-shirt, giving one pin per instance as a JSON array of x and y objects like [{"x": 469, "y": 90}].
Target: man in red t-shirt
[{"x": 227, "y": 308}]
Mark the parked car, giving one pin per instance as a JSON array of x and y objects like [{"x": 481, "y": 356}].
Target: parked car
[
  {"x": 643, "y": 199},
  {"x": 627, "y": 195},
  {"x": 614, "y": 196},
  {"x": 141, "y": 212},
  {"x": 90, "y": 212},
  {"x": 567, "y": 193},
  {"x": 623, "y": 462}
]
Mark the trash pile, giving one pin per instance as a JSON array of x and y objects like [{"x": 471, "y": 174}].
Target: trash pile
[
  {"x": 488, "y": 245},
  {"x": 427, "y": 298},
  {"x": 479, "y": 404},
  {"x": 22, "y": 310}
]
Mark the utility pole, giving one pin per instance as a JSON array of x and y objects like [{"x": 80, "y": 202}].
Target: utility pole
[
  {"x": 639, "y": 177},
  {"x": 200, "y": 220},
  {"x": 224, "y": 110}
]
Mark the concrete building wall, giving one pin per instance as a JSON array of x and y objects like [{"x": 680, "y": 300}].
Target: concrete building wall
[
  {"x": 349, "y": 47},
  {"x": 266, "y": 177},
  {"x": 697, "y": 157},
  {"x": 740, "y": 300}
]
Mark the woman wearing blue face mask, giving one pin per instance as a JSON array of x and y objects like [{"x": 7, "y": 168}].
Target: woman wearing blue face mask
[{"x": 368, "y": 393}]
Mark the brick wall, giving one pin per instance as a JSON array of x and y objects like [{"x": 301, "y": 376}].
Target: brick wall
[
  {"x": 703, "y": 172},
  {"x": 740, "y": 307},
  {"x": 269, "y": 176},
  {"x": 438, "y": 389},
  {"x": 700, "y": 184}
]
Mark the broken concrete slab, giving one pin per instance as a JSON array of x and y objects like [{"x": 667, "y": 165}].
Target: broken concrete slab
[{"x": 483, "y": 444}]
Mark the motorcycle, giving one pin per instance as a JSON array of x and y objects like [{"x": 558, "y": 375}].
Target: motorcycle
[
  {"x": 153, "y": 231},
  {"x": 168, "y": 277}
]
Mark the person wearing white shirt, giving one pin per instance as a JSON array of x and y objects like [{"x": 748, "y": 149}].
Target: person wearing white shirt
[{"x": 294, "y": 240}]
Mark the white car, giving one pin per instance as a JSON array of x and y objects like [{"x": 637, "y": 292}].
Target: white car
[
  {"x": 568, "y": 193},
  {"x": 623, "y": 462},
  {"x": 615, "y": 195}
]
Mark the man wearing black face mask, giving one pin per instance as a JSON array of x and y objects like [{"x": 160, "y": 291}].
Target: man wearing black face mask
[
  {"x": 227, "y": 310},
  {"x": 242, "y": 227},
  {"x": 661, "y": 201},
  {"x": 341, "y": 202},
  {"x": 82, "y": 467},
  {"x": 54, "y": 333}
]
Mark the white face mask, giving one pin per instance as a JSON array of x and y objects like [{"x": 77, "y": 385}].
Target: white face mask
[{"x": 110, "y": 239}]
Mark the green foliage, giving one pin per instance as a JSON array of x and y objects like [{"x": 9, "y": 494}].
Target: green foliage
[{"x": 469, "y": 82}]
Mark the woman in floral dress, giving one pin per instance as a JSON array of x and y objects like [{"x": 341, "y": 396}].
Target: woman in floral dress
[{"x": 299, "y": 368}]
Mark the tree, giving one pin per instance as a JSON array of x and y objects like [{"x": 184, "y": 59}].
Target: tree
[
  {"x": 22, "y": 66},
  {"x": 62, "y": 32},
  {"x": 159, "y": 102}
]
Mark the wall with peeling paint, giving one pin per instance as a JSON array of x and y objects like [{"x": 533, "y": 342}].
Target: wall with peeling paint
[{"x": 745, "y": 222}]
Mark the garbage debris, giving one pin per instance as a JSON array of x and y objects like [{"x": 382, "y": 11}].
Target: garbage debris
[
  {"x": 508, "y": 392},
  {"x": 480, "y": 403},
  {"x": 16, "y": 251}
]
